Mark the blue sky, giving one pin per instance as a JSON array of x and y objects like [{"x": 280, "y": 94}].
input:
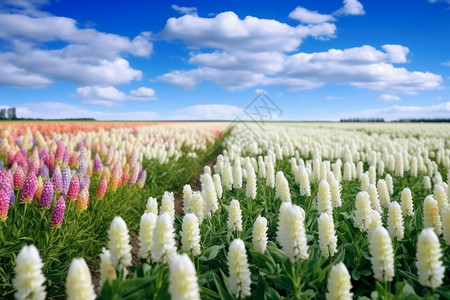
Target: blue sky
[{"x": 160, "y": 60}]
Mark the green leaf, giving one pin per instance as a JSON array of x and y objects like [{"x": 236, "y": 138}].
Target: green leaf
[
  {"x": 355, "y": 274},
  {"x": 271, "y": 294}
]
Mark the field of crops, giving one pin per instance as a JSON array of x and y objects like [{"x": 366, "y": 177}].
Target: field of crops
[{"x": 206, "y": 211}]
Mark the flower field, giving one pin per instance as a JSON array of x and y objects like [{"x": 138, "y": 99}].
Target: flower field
[{"x": 293, "y": 211}]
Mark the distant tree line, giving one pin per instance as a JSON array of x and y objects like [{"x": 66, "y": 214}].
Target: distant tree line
[
  {"x": 437, "y": 120},
  {"x": 363, "y": 120},
  {"x": 8, "y": 113}
]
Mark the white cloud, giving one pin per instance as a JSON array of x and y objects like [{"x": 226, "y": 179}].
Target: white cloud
[
  {"x": 260, "y": 91},
  {"x": 27, "y": 7},
  {"x": 110, "y": 96},
  {"x": 185, "y": 10},
  {"x": 389, "y": 97},
  {"x": 208, "y": 112},
  {"x": 365, "y": 67},
  {"x": 396, "y": 53},
  {"x": 396, "y": 112},
  {"x": 87, "y": 56},
  {"x": 309, "y": 17},
  {"x": 143, "y": 93},
  {"x": 229, "y": 79},
  {"x": 446, "y": 63},
  {"x": 227, "y": 31},
  {"x": 58, "y": 110},
  {"x": 351, "y": 7}
]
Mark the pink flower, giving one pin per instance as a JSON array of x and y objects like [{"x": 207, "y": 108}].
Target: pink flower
[
  {"x": 4, "y": 204},
  {"x": 58, "y": 213},
  {"x": 29, "y": 188},
  {"x": 102, "y": 186},
  {"x": 18, "y": 178},
  {"x": 74, "y": 188},
  {"x": 45, "y": 201},
  {"x": 98, "y": 166}
]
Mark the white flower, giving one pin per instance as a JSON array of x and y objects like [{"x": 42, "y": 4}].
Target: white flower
[
  {"x": 234, "y": 222},
  {"x": 187, "y": 199},
  {"x": 335, "y": 193},
  {"x": 373, "y": 196},
  {"x": 259, "y": 234},
  {"x": 183, "y": 279},
  {"x": 364, "y": 181},
  {"x": 250, "y": 189},
  {"x": 395, "y": 221},
  {"x": 305, "y": 188},
  {"x": 107, "y": 270},
  {"x": 282, "y": 187},
  {"x": 218, "y": 185},
  {"x": 347, "y": 171},
  {"x": 227, "y": 177},
  {"x": 359, "y": 169},
  {"x": 119, "y": 244},
  {"x": 237, "y": 174},
  {"x": 431, "y": 216},
  {"x": 383, "y": 193},
  {"x": 147, "y": 224},
  {"x": 210, "y": 198},
  {"x": 152, "y": 205},
  {"x": 374, "y": 221},
  {"x": 291, "y": 233},
  {"x": 261, "y": 168},
  {"x": 398, "y": 164},
  {"x": 324, "y": 198},
  {"x": 239, "y": 280},
  {"x": 339, "y": 283},
  {"x": 327, "y": 235},
  {"x": 440, "y": 195},
  {"x": 429, "y": 264},
  {"x": 163, "y": 239},
  {"x": 29, "y": 280},
  {"x": 270, "y": 174},
  {"x": 446, "y": 223},
  {"x": 190, "y": 234},
  {"x": 372, "y": 175},
  {"x": 79, "y": 282},
  {"x": 363, "y": 210},
  {"x": 382, "y": 255},
  {"x": 407, "y": 203},
  {"x": 337, "y": 170},
  {"x": 413, "y": 167},
  {"x": 168, "y": 204},
  {"x": 389, "y": 183},
  {"x": 426, "y": 182},
  {"x": 198, "y": 206}
]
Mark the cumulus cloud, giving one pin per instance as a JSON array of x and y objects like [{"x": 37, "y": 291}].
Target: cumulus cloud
[
  {"x": 365, "y": 67},
  {"x": 389, "y": 97},
  {"x": 227, "y": 31},
  {"x": 309, "y": 17},
  {"x": 185, "y": 10},
  {"x": 396, "y": 112},
  {"x": 208, "y": 112},
  {"x": 28, "y": 7},
  {"x": 351, "y": 7},
  {"x": 86, "y": 56},
  {"x": 59, "y": 110},
  {"x": 110, "y": 96}
]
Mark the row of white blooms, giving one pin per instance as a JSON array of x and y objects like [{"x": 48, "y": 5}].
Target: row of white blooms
[
  {"x": 404, "y": 153},
  {"x": 162, "y": 142}
]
